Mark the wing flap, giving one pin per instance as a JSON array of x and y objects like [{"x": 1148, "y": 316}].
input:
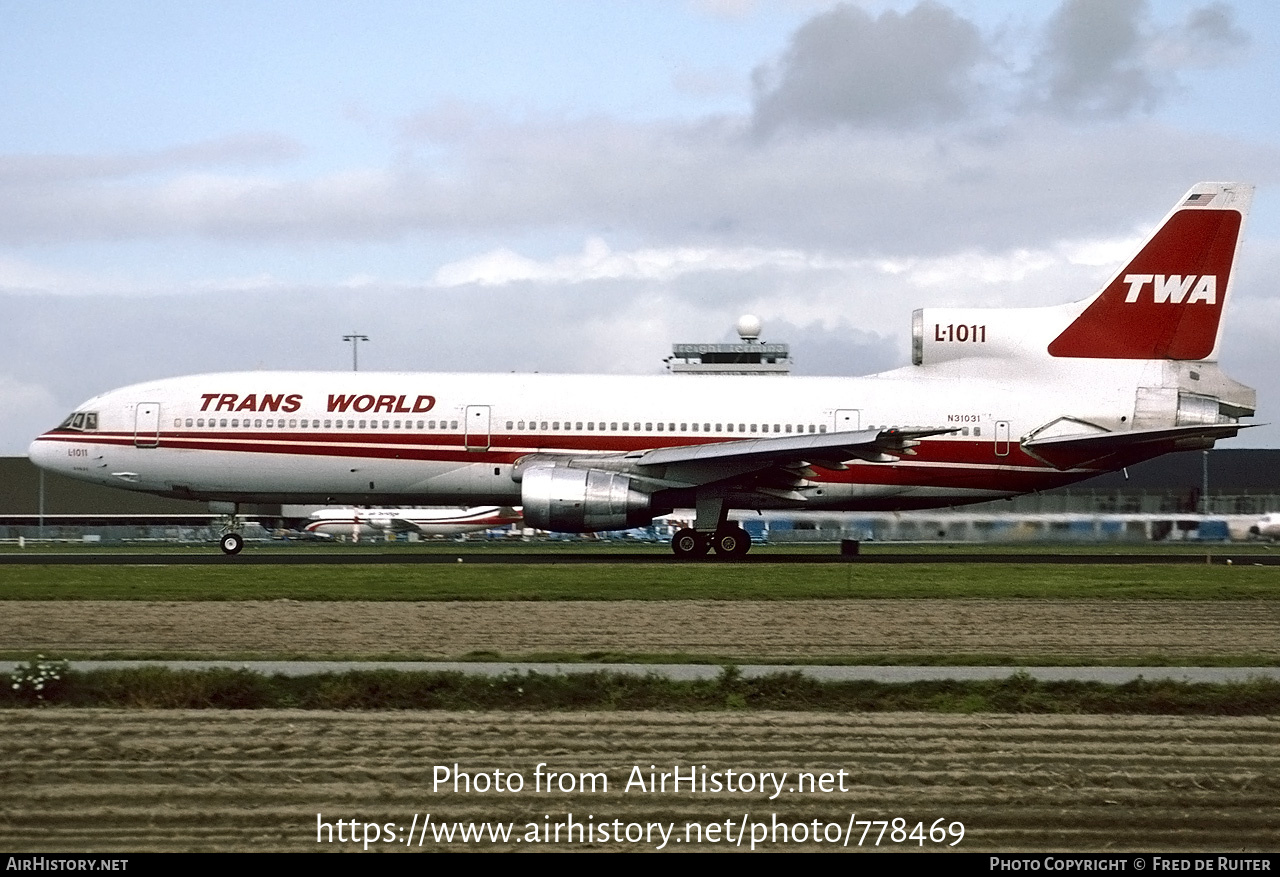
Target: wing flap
[
  {"x": 1112, "y": 450},
  {"x": 796, "y": 450},
  {"x": 791, "y": 457}
]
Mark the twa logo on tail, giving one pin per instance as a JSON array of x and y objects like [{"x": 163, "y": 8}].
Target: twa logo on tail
[
  {"x": 1167, "y": 302},
  {"x": 1173, "y": 288}
]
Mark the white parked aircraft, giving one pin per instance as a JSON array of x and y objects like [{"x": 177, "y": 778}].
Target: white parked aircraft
[
  {"x": 358, "y": 522},
  {"x": 1267, "y": 527},
  {"x": 996, "y": 402}
]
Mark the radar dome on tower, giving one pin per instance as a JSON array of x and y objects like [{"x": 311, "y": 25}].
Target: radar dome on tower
[{"x": 749, "y": 327}]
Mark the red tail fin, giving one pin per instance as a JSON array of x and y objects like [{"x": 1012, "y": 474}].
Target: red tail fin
[{"x": 1167, "y": 302}]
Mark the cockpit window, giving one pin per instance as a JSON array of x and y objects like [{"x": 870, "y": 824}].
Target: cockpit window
[{"x": 81, "y": 421}]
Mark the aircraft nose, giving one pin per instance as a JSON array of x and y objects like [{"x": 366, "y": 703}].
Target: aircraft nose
[{"x": 41, "y": 453}]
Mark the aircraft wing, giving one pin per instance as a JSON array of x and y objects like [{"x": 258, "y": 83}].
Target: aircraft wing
[
  {"x": 777, "y": 466},
  {"x": 1112, "y": 450},
  {"x": 828, "y": 450}
]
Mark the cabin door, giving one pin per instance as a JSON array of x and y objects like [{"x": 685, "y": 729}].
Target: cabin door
[
  {"x": 848, "y": 419},
  {"x": 1002, "y": 438},
  {"x": 146, "y": 425},
  {"x": 477, "y": 428}
]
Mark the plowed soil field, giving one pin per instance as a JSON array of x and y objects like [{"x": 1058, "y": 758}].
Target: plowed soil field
[
  {"x": 130, "y": 781},
  {"x": 1097, "y": 630}
]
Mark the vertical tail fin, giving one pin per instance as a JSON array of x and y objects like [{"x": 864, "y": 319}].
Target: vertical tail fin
[{"x": 1167, "y": 302}]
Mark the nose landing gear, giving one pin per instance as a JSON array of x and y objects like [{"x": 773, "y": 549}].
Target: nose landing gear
[{"x": 231, "y": 543}]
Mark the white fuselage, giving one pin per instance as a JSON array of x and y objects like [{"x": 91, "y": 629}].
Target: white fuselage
[{"x": 434, "y": 439}]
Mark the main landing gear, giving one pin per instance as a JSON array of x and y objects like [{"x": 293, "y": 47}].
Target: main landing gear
[
  {"x": 730, "y": 542},
  {"x": 711, "y": 530}
]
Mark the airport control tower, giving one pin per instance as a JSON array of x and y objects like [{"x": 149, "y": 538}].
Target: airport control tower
[{"x": 750, "y": 357}]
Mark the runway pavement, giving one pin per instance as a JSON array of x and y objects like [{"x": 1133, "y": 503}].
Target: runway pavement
[{"x": 348, "y": 558}]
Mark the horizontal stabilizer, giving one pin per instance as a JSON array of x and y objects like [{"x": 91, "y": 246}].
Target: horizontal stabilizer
[{"x": 1112, "y": 450}]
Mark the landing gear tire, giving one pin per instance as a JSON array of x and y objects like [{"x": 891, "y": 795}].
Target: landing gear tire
[
  {"x": 731, "y": 542},
  {"x": 231, "y": 543},
  {"x": 689, "y": 543}
]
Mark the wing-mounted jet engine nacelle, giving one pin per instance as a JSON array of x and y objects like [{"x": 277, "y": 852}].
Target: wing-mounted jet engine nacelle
[{"x": 581, "y": 500}]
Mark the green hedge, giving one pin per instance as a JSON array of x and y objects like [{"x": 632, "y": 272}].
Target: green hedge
[{"x": 160, "y": 688}]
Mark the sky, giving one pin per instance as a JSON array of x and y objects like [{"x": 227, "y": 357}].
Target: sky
[{"x": 574, "y": 186}]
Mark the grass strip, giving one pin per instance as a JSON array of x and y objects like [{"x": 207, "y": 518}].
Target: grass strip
[
  {"x": 461, "y": 582},
  {"x": 162, "y": 688}
]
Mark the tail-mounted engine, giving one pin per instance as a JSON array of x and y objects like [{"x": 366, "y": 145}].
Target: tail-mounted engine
[{"x": 581, "y": 500}]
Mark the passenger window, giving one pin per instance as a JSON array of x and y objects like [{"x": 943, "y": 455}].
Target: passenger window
[
  {"x": 578, "y": 425},
  {"x": 977, "y": 430},
  {"x": 200, "y": 422},
  {"x": 362, "y": 423},
  {"x": 190, "y": 422},
  {"x": 730, "y": 427},
  {"x": 509, "y": 424},
  {"x": 613, "y": 426},
  {"x": 753, "y": 427},
  {"x": 625, "y": 426}
]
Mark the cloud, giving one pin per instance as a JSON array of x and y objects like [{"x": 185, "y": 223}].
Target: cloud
[
  {"x": 598, "y": 261},
  {"x": 844, "y": 67},
  {"x": 705, "y": 185},
  {"x": 246, "y": 150},
  {"x": 1107, "y": 59}
]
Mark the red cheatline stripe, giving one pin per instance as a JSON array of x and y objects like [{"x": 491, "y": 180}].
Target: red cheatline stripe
[{"x": 976, "y": 456}]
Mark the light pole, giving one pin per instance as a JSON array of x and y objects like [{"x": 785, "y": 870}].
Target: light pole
[
  {"x": 1204, "y": 483},
  {"x": 355, "y": 349}
]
